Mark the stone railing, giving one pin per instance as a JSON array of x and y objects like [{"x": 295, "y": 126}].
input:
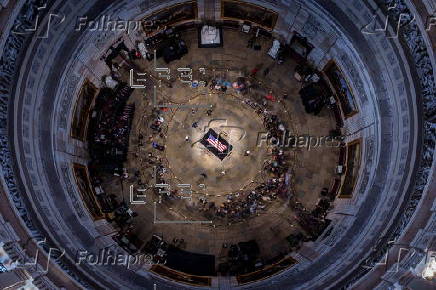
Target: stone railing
[
  {"x": 337, "y": 49},
  {"x": 416, "y": 45},
  {"x": 9, "y": 66}
]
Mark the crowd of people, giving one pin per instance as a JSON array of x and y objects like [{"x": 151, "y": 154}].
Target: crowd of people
[
  {"x": 241, "y": 258},
  {"x": 109, "y": 128},
  {"x": 313, "y": 222},
  {"x": 110, "y": 140},
  {"x": 315, "y": 92},
  {"x": 253, "y": 201}
]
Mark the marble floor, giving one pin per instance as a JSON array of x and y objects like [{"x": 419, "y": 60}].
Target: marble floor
[{"x": 186, "y": 160}]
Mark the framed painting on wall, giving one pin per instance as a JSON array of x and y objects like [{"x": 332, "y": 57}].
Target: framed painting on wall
[
  {"x": 249, "y": 12},
  {"x": 82, "y": 109},
  {"x": 175, "y": 14},
  {"x": 342, "y": 89}
]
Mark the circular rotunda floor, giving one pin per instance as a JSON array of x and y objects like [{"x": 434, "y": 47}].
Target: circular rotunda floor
[{"x": 188, "y": 162}]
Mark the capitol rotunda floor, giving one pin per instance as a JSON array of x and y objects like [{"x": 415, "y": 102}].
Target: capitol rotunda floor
[{"x": 217, "y": 144}]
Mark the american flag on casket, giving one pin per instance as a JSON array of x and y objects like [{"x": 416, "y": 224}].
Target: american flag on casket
[{"x": 216, "y": 144}]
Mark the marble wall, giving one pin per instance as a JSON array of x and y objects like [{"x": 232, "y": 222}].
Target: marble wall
[{"x": 394, "y": 85}]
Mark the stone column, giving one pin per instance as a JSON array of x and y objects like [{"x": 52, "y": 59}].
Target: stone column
[
  {"x": 13, "y": 279},
  {"x": 3, "y": 4},
  {"x": 207, "y": 10}
]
